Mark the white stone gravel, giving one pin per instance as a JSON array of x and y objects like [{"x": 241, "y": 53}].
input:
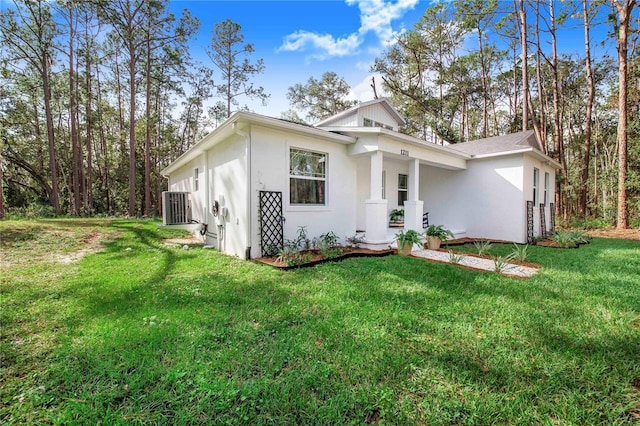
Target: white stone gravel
[{"x": 478, "y": 263}]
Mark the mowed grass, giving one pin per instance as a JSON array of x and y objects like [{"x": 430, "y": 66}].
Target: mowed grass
[{"x": 144, "y": 333}]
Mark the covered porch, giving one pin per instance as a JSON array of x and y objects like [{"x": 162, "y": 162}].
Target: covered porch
[{"x": 394, "y": 175}]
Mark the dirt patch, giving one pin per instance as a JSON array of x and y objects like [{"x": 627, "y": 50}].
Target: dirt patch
[
  {"x": 313, "y": 257},
  {"x": 622, "y": 234},
  {"x": 93, "y": 246},
  {"x": 182, "y": 241}
]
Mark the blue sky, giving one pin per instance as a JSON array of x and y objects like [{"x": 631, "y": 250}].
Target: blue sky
[{"x": 300, "y": 39}]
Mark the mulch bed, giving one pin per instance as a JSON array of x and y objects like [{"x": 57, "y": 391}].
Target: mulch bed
[{"x": 317, "y": 259}]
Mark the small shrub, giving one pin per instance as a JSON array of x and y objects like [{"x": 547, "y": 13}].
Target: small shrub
[
  {"x": 292, "y": 257},
  {"x": 355, "y": 240},
  {"x": 500, "y": 263},
  {"x": 482, "y": 247},
  {"x": 303, "y": 243},
  {"x": 564, "y": 239},
  {"x": 455, "y": 258},
  {"x": 579, "y": 237},
  {"x": 519, "y": 253}
]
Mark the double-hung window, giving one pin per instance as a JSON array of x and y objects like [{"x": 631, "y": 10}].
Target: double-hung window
[
  {"x": 307, "y": 177},
  {"x": 403, "y": 187},
  {"x": 196, "y": 179},
  {"x": 546, "y": 188},
  {"x": 536, "y": 183}
]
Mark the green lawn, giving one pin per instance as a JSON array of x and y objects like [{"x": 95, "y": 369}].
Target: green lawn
[{"x": 141, "y": 332}]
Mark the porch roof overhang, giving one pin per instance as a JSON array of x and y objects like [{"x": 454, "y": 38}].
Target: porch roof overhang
[
  {"x": 242, "y": 120},
  {"x": 529, "y": 151},
  {"x": 403, "y": 147}
]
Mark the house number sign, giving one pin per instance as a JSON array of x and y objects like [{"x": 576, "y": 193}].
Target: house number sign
[{"x": 404, "y": 152}]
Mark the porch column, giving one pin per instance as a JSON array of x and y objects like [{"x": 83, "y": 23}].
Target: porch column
[
  {"x": 375, "y": 206},
  {"x": 413, "y": 206}
]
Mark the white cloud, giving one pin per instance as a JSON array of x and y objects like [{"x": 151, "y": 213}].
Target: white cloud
[
  {"x": 375, "y": 16},
  {"x": 325, "y": 44}
]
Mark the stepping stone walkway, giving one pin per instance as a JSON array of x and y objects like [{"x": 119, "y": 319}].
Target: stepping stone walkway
[{"x": 478, "y": 263}]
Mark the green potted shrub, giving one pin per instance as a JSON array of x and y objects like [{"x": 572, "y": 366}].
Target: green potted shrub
[
  {"x": 396, "y": 218},
  {"x": 406, "y": 240},
  {"x": 436, "y": 234}
]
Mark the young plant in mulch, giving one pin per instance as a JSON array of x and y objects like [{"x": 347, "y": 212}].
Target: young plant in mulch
[
  {"x": 519, "y": 253},
  {"x": 455, "y": 258},
  {"x": 501, "y": 263},
  {"x": 327, "y": 245},
  {"x": 482, "y": 247}
]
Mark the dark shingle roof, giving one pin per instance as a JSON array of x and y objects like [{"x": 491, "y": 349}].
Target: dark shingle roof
[{"x": 499, "y": 144}]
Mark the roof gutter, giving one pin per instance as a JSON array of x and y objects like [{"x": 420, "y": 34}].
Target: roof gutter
[{"x": 247, "y": 137}]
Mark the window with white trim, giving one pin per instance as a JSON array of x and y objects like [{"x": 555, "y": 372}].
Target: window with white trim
[
  {"x": 367, "y": 122},
  {"x": 196, "y": 179},
  {"x": 384, "y": 185},
  {"x": 546, "y": 188},
  {"x": 536, "y": 179},
  {"x": 403, "y": 189},
  {"x": 307, "y": 177}
]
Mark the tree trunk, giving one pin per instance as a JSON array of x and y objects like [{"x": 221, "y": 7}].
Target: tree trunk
[
  {"x": 147, "y": 137},
  {"x": 624, "y": 8},
  {"x": 586, "y": 152},
  {"x": 54, "y": 195},
  {"x": 132, "y": 129},
  {"x": 525, "y": 75},
  {"x": 1, "y": 188},
  {"x": 75, "y": 148},
  {"x": 541, "y": 92},
  {"x": 485, "y": 89},
  {"x": 557, "y": 117}
]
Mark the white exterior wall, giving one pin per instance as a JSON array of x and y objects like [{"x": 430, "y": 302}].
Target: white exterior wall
[
  {"x": 377, "y": 113},
  {"x": 182, "y": 181},
  {"x": 530, "y": 163},
  {"x": 440, "y": 190},
  {"x": 495, "y": 199},
  {"x": 228, "y": 186},
  {"x": 485, "y": 201},
  {"x": 270, "y": 172}
]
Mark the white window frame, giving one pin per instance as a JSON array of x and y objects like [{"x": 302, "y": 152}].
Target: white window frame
[
  {"x": 546, "y": 188},
  {"x": 367, "y": 122},
  {"x": 384, "y": 184},
  {"x": 536, "y": 186},
  {"x": 405, "y": 190},
  {"x": 311, "y": 178},
  {"x": 196, "y": 179}
]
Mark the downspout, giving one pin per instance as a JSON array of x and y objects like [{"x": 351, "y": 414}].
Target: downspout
[{"x": 247, "y": 136}]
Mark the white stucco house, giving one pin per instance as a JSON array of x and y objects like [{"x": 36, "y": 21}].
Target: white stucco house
[{"x": 255, "y": 179}]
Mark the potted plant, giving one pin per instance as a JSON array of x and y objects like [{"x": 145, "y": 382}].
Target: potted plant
[
  {"x": 436, "y": 234},
  {"x": 396, "y": 218},
  {"x": 406, "y": 240}
]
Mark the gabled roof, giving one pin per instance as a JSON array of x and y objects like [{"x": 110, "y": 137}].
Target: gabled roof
[
  {"x": 496, "y": 144},
  {"x": 238, "y": 121},
  {"x": 501, "y": 145},
  {"x": 384, "y": 102}
]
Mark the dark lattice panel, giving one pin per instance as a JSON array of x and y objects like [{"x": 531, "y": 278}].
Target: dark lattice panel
[
  {"x": 543, "y": 222},
  {"x": 552, "y": 217},
  {"x": 529, "y": 222},
  {"x": 425, "y": 220},
  {"x": 271, "y": 232}
]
